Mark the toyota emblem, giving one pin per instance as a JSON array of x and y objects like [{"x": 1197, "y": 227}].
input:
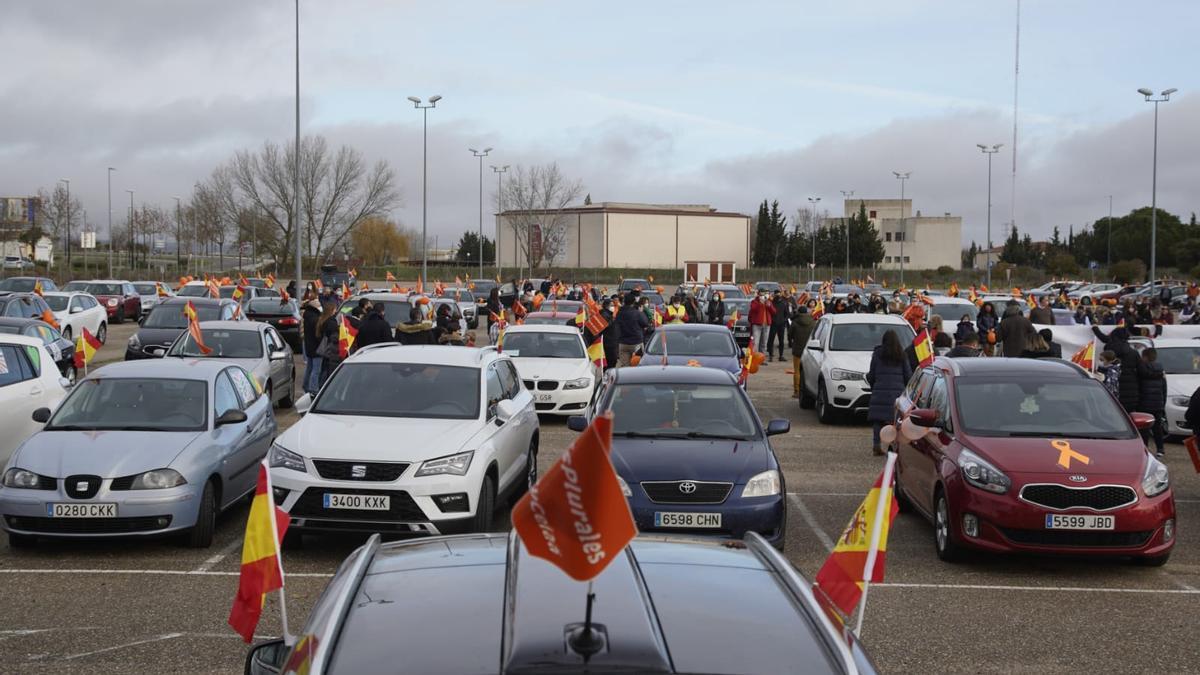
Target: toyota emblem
[
  {"x": 1077, "y": 478},
  {"x": 687, "y": 487}
]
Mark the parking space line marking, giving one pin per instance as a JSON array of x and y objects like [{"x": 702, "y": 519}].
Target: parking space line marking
[
  {"x": 811, "y": 520},
  {"x": 215, "y": 559},
  {"x": 160, "y": 638},
  {"x": 1177, "y": 581},
  {"x": 185, "y": 573},
  {"x": 828, "y": 494},
  {"x": 1054, "y": 589}
]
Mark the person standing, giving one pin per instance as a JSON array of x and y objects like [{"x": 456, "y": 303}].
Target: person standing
[
  {"x": 986, "y": 325},
  {"x": 1129, "y": 385},
  {"x": 761, "y": 315},
  {"x": 310, "y": 313},
  {"x": 779, "y": 324},
  {"x": 415, "y": 331},
  {"x": 631, "y": 328},
  {"x": 799, "y": 332},
  {"x": 693, "y": 310},
  {"x": 1015, "y": 331},
  {"x": 327, "y": 327},
  {"x": 609, "y": 335},
  {"x": 373, "y": 328},
  {"x": 967, "y": 347},
  {"x": 495, "y": 307},
  {"x": 888, "y": 374},
  {"x": 1042, "y": 315},
  {"x": 716, "y": 308},
  {"x": 1152, "y": 396},
  {"x": 676, "y": 312}
]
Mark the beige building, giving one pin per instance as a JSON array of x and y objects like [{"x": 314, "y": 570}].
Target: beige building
[
  {"x": 655, "y": 236},
  {"x": 929, "y": 242}
]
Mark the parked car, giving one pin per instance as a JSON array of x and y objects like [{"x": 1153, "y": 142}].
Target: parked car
[
  {"x": 139, "y": 449},
  {"x": 23, "y": 306},
  {"x": 835, "y": 362},
  {"x": 26, "y": 284},
  {"x": 627, "y": 285},
  {"x": 692, "y": 455},
  {"x": 195, "y": 289},
  {"x": 768, "y": 286},
  {"x": 952, "y": 310},
  {"x": 148, "y": 290},
  {"x": 119, "y": 298},
  {"x": 25, "y": 385},
  {"x": 61, "y": 350},
  {"x": 550, "y": 319},
  {"x": 75, "y": 311},
  {"x": 1034, "y": 456},
  {"x": 1090, "y": 294},
  {"x": 14, "y": 262},
  {"x": 696, "y": 344},
  {"x": 396, "y": 306},
  {"x": 166, "y": 321},
  {"x": 466, "y": 304},
  {"x": 469, "y": 440},
  {"x": 727, "y": 291},
  {"x": 553, "y": 364},
  {"x": 283, "y": 316},
  {"x": 518, "y": 612},
  {"x": 741, "y": 328},
  {"x": 248, "y": 293},
  {"x": 256, "y": 347},
  {"x": 331, "y": 277},
  {"x": 1180, "y": 359}
]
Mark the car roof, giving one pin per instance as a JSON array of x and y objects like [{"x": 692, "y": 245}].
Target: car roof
[
  {"x": 64, "y": 293},
  {"x": 856, "y": 317},
  {"x": 23, "y": 340},
  {"x": 1011, "y": 367},
  {"x": 199, "y": 301},
  {"x": 442, "y": 355},
  {"x": 1174, "y": 342},
  {"x": 185, "y": 368},
  {"x": 672, "y": 375},
  {"x": 103, "y": 281},
  {"x": 247, "y": 326},
  {"x": 542, "y": 328},
  {"x": 950, "y": 300},
  {"x": 550, "y": 315},
  {"x": 693, "y": 328},
  {"x": 18, "y": 321}
]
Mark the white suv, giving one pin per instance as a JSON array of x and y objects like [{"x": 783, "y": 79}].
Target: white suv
[
  {"x": 836, "y": 359},
  {"x": 408, "y": 440}
]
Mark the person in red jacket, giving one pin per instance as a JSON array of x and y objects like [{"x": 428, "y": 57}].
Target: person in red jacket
[{"x": 762, "y": 313}]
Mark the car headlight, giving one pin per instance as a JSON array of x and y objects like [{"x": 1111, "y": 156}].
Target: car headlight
[
  {"x": 1156, "y": 478},
  {"x": 1181, "y": 401},
  {"x": 764, "y": 484},
  {"x": 134, "y": 342},
  {"x": 158, "y": 479},
  {"x": 450, "y": 465},
  {"x": 282, "y": 458},
  {"x": 112, "y": 302},
  {"x": 624, "y": 487},
  {"x": 981, "y": 474},
  {"x": 581, "y": 383},
  {"x": 20, "y": 478},
  {"x": 840, "y": 374}
]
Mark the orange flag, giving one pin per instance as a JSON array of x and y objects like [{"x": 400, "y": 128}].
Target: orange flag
[
  {"x": 37, "y": 287},
  {"x": 575, "y": 516},
  {"x": 160, "y": 290},
  {"x": 189, "y": 310},
  {"x": 262, "y": 565},
  {"x": 48, "y": 317},
  {"x": 270, "y": 281},
  {"x": 420, "y": 286}
]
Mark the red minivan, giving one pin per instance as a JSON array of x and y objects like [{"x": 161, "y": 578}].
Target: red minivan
[{"x": 1028, "y": 455}]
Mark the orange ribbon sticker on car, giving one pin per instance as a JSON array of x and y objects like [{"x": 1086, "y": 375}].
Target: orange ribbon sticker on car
[{"x": 1066, "y": 454}]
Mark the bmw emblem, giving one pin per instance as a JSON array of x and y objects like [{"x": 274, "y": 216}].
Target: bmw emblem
[
  {"x": 1078, "y": 478},
  {"x": 687, "y": 487}
]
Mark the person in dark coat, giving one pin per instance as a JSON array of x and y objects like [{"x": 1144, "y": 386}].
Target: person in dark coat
[
  {"x": 373, "y": 329},
  {"x": 415, "y": 331},
  {"x": 1129, "y": 385},
  {"x": 799, "y": 333},
  {"x": 716, "y": 309},
  {"x": 888, "y": 374},
  {"x": 1015, "y": 331},
  {"x": 328, "y": 327},
  {"x": 494, "y": 306},
  {"x": 779, "y": 324},
  {"x": 1192, "y": 416},
  {"x": 631, "y": 329},
  {"x": 693, "y": 309},
  {"x": 310, "y": 313},
  {"x": 291, "y": 288},
  {"x": 1041, "y": 314},
  {"x": 1054, "y": 348},
  {"x": 609, "y": 335},
  {"x": 446, "y": 329},
  {"x": 987, "y": 324},
  {"x": 965, "y": 326},
  {"x": 967, "y": 347},
  {"x": 1152, "y": 396}
]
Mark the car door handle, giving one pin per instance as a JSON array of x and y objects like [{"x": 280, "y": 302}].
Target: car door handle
[{"x": 36, "y": 391}]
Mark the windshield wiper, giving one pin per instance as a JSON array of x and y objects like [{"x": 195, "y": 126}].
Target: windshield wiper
[
  {"x": 1055, "y": 434},
  {"x": 643, "y": 434},
  {"x": 723, "y": 437}
]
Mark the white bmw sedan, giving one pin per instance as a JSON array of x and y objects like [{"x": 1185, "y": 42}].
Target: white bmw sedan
[
  {"x": 408, "y": 440},
  {"x": 554, "y": 366}
]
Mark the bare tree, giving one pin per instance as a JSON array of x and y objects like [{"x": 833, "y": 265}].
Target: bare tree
[
  {"x": 535, "y": 198},
  {"x": 209, "y": 212},
  {"x": 55, "y": 211}
]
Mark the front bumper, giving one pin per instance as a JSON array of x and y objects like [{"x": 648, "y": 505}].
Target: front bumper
[
  {"x": 852, "y": 396},
  {"x": 140, "y": 513},
  {"x": 765, "y": 515},
  {"x": 1176, "y": 424},
  {"x": 561, "y": 401}
]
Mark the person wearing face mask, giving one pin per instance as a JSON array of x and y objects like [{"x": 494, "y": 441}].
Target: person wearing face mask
[
  {"x": 762, "y": 313},
  {"x": 716, "y": 309},
  {"x": 676, "y": 312},
  {"x": 779, "y": 324}
]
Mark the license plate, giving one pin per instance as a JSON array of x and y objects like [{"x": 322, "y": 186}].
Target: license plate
[
  {"x": 358, "y": 502},
  {"x": 81, "y": 510},
  {"x": 702, "y": 520},
  {"x": 1056, "y": 521},
  {"x": 543, "y": 397}
]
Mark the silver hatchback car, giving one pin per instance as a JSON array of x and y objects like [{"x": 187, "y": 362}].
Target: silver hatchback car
[
  {"x": 253, "y": 345},
  {"x": 139, "y": 448}
]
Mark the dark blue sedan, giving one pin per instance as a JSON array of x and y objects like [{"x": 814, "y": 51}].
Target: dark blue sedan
[
  {"x": 691, "y": 452},
  {"x": 694, "y": 344}
]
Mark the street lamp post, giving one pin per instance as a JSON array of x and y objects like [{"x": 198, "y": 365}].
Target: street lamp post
[
  {"x": 847, "y": 194},
  {"x": 903, "y": 235},
  {"x": 499, "y": 171},
  {"x": 295, "y": 181},
  {"x": 812, "y": 234},
  {"x": 424, "y": 108},
  {"x": 178, "y": 238},
  {"x": 989, "y": 151},
  {"x": 131, "y": 258},
  {"x": 480, "y": 155},
  {"x": 67, "y": 236},
  {"x": 110, "y": 234},
  {"x": 1163, "y": 98}
]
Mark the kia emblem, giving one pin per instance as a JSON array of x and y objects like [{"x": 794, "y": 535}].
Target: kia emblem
[
  {"x": 687, "y": 487},
  {"x": 1078, "y": 478},
  {"x": 358, "y": 471}
]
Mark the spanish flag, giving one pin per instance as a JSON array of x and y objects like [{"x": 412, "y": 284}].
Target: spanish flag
[
  {"x": 580, "y": 317},
  {"x": 733, "y": 318},
  {"x": 1086, "y": 356},
  {"x": 270, "y": 281},
  {"x": 189, "y": 310},
  {"x": 238, "y": 293},
  {"x": 37, "y": 287},
  {"x": 345, "y": 290},
  {"x": 160, "y": 290},
  {"x": 346, "y": 335},
  {"x": 860, "y": 553},
  {"x": 1032, "y": 302},
  {"x": 923, "y": 347},
  {"x": 596, "y": 352},
  {"x": 262, "y": 565},
  {"x": 214, "y": 289},
  {"x": 86, "y": 346},
  {"x": 818, "y": 309}
]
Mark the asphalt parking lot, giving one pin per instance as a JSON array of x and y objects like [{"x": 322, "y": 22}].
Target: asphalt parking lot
[{"x": 155, "y": 606}]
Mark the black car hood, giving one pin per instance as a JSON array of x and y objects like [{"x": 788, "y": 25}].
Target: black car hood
[
  {"x": 158, "y": 336},
  {"x": 639, "y": 459}
]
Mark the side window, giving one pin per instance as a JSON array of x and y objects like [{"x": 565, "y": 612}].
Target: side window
[
  {"x": 495, "y": 390},
  {"x": 244, "y": 383},
  {"x": 13, "y": 309},
  {"x": 13, "y": 366},
  {"x": 129, "y": 290},
  {"x": 276, "y": 342},
  {"x": 939, "y": 400},
  {"x": 510, "y": 380},
  {"x": 924, "y": 387},
  {"x": 225, "y": 398},
  {"x": 47, "y": 334},
  {"x": 76, "y": 303},
  {"x": 89, "y": 302},
  {"x": 27, "y": 308}
]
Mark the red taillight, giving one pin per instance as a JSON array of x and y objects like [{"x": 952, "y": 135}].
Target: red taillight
[{"x": 290, "y": 321}]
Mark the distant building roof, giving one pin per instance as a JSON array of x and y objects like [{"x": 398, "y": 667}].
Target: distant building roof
[{"x": 634, "y": 207}]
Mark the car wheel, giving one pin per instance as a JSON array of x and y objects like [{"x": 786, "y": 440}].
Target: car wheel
[
  {"x": 806, "y": 401},
  {"x": 825, "y": 412},
  {"x": 289, "y": 398},
  {"x": 66, "y": 333},
  {"x": 201, "y": 534},
  {"x": 943, "y": 533},
  {"x": 293, "y": 539},
  {"x": 1147, "y": 561},
  {"x": 102, "y": 333},
  {"x": 21, "y": 540},
  {"x": 484, "y": 507},
  {"x": 120, "y": 316}
]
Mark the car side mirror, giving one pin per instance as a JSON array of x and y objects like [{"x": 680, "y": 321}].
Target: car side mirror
[
  {"x": 1140, "y": 420},
  {"x": 814, "y": 345},
  {"x": 41, "y": 415},
  {"x": 75, "y": 310},
  {"x": 231, "y": 417},
  {"x": 278, "y": 355},
  {"x": 303, "y": 404},
  {"x": 577, "y": 423},
  {"x": 778, "y": 426},
  {"x": 506, "y": 409},
  {"x": 924, "y": 417},
  {"x": 142, "y": 319},
  {"x": 266, "y": 658}
]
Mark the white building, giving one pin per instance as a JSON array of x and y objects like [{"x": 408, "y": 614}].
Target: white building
[{"x": 928, "y": 242}]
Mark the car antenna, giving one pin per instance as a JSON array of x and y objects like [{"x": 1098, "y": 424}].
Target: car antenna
[{"x": 586, "y": 640}]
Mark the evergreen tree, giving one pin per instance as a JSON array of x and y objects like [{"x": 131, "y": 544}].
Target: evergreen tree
[
  {"x": 865, "y": 247},
  {"x": 1013, "y": 252},
  {"x": 1055, "y": 239},
  {"x": 777, "y": 230},
  {"x": 763, "y": 247}
]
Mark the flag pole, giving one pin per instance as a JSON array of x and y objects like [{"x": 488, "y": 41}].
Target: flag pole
[
  {"x": 881, "y": 512},
  {"x": 288, "y": 639}
]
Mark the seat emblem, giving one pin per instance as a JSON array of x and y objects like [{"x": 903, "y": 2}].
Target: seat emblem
[
  {"x": 358, "y": 471},
  {"x": 687, "y": 487},
  {"x": 81, "y": 486}
]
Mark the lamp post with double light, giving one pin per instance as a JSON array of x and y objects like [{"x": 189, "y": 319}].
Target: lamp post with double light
[{"x": 424, "y": 108}]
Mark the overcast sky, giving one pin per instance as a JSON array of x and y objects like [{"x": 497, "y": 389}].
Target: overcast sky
[{"x": 724, "y": 103}]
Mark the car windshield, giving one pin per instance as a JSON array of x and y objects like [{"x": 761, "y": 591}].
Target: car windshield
[
  {"x": 58, "y": 303},
  {"x": 864, "y": 337},
  {"x": 171, "y": 316},
  {"x": 395, "y": 311},
  {"x": 17, "y": 285},
  {"x": 682, "y": 410},
  {"x": 193, "y": 291},
  {"x": 654, "y": 298},
  {"x": 134, "y": 404},
  {"x": 1180, "y": 360},
  {"x": 401, "y": 390},
  {"x": 104, "y": 289},
  {"x": 80, "y": 286},
  {"x": 693, "y": 343},
  {"x": 549, "y": 319},
  {"x": 952, "y": 313},
  {"x": 741, "y": 305},
  {"x": 731, "y": 292},
  {"x": 460, "y": 295},
  {"x": 537, "y": 345},
  {"x": 224, "y": 343},
  {"x": 1075, "y": 408},
  {"x": 271, "y": 306},
  {"x": 146, "y": 288}
]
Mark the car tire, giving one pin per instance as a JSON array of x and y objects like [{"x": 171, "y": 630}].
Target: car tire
[
  {"x": 1146, "y": 561},
  {"x": 289, "y": 399},
  {"x": 102, "y": 333},
  {"x": 825, "y": 411},
  {"x": 119, "y": 317},
  {"x": 21, "y": 540},
  {"x": 201, "y": 534},
  {"x": 806, "y": 401},
  {"x": 531, "y": 474},
  {"x": 473, "y": 324},
  {"x": 293, "y": 540},
  {"x": 66, "y": 333},
  {"x": 944, "y": 543},
  {"x": 485, "y": 507}
]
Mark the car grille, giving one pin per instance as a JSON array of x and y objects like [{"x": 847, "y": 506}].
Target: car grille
[
  {"x": 1081, "y": 538},
  {"x": 88, "y": 525},
  {"x": 372, "y": 471},
  {"x": 81, "y": 486},
  {"x": 543, "y": 406},
  {"x": 311, "y": 504},
  {"x": 541, "y": 385},
  {"x": 1098, "y": 498},
  {"x": 670, "y": 492}
]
